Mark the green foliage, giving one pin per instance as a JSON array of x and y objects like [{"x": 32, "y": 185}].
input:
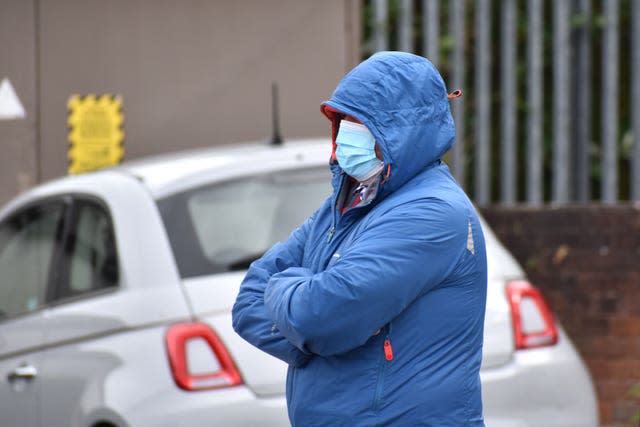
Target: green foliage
[
  {"x": 635, "y": 393},
  {"x": 579, "y": 21}
]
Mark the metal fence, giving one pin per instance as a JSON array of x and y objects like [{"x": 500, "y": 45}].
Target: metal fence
[{"x": 552, "y": 88}]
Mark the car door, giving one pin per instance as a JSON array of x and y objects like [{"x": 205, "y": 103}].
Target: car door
[
  {"x": 29, "y": 240},
  {"x": 72, "y": 373}
]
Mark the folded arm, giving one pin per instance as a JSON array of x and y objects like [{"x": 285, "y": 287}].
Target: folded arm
[
  {"x": 400, "y": 255},
  {"x": 250, "y": 318}
]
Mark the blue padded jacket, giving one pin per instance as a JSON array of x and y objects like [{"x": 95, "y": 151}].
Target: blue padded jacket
[{"x": 379, "y": 311}]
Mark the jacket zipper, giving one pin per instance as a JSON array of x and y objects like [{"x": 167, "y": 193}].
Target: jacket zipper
[
  {"x": 388, "y": 350},
  {"x": 334, "y": 211},
  {"x": 332, "y": 231}
]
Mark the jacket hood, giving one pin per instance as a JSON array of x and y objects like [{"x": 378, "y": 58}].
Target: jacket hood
[{"x": 401, "y": 98}]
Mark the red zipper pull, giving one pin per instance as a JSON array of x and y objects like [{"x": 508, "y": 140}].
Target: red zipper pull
[{"x": 388, "y": 350}]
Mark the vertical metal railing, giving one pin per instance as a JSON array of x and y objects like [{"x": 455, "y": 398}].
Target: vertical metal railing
[
  {"x": 380, "y": 17},
  {"x": 560, "y": 96},
  {"x": 534, "y": 193},
  {"x": 581, "y": 88},
  {"x": 508, "y": 103},
  {"x": 405, "y": 26},
  {"x": 431, "y": 29},
  {"x": 609, "y": 104},
  {"x": 482, "y": 105},
  {"x": 456, "y": 24},
  {"x": 531, "y": 138}
]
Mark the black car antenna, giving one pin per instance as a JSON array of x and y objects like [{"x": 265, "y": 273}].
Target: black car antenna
[{"x": 276, "y": 139}]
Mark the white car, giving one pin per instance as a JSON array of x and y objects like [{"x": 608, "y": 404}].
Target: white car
[{"x": 116, "y": 290}]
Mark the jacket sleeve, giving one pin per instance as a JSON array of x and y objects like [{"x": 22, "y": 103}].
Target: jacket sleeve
[
  {"x": 399, "y": 256},
  {"x": 249, "y": 317}
]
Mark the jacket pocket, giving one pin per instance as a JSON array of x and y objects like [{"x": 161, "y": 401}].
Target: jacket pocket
[
  {"x": 386, "y": 358},
  {"x": 291, "y": 372}
]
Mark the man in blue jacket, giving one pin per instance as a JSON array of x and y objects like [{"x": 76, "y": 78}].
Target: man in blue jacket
[{"x": 377, "y": 301}]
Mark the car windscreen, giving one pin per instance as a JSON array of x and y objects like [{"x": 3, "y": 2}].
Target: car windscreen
[{"x": 225, "y": 226}]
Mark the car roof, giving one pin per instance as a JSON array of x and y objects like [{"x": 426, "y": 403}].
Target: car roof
[{"x": 168, "y": 173}]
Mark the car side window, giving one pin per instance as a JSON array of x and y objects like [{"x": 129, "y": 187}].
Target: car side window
[
  {"x": 90, "y": 254},
  {"x": 27, "y": 244}
]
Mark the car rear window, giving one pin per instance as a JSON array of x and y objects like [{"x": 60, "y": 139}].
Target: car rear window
[{"x": 226, "y": 225}]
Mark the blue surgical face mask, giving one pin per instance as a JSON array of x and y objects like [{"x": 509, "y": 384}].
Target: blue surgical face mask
[{"x": 356, "y": 152}]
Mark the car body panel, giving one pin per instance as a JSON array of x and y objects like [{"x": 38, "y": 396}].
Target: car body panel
[
  {"x": 22, "y": 334},
  {"x": 21, "y": 339},
  {"x": 113, "y": 312},
  {"x": 19, "y": 398},
  {"x": 542, "y": 387},
  {"x": 113, "y": 378},
  {"x": 212, "y": 299}
]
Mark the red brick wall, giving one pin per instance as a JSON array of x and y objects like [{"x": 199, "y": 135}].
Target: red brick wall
[{"x": 586, "y": 260}]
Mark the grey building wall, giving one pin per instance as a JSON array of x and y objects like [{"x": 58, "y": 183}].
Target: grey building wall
[
  {"x": 192, "y": 73},
  {"x": 18, "y": 169}
]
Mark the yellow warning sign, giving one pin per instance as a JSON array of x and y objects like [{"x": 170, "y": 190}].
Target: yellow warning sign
[{"x": 96, "y": 132}]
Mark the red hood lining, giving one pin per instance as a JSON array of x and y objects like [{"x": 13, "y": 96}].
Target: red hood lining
[{"x": 334, "y": 116}]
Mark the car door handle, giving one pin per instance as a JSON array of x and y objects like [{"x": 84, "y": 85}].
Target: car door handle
[{"x": 25, "y": 372}]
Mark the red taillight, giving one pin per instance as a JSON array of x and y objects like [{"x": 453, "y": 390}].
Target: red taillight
[
  {"x": 533, "y": 321},
  {"x": 224, "y": 372}
]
